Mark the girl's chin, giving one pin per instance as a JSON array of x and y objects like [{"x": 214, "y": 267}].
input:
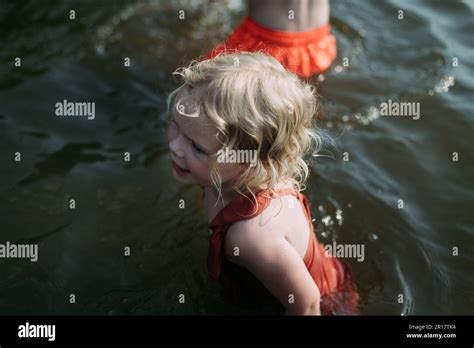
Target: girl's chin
[{"x": 184, "y": 179}]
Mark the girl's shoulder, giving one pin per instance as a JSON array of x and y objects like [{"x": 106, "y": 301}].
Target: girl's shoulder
[{"x": 283, "y": 219}]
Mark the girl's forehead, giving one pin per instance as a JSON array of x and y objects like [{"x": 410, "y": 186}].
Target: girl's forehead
[
  {"x": 190, "y": 116},
  {"x": 187, "y": 103},
  {"x": 189, "y": 99},
  {"x": 187, "y": 108}
]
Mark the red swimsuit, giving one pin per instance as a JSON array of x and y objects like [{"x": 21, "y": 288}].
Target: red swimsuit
[
  {"x": 304, "y": 53},
  {"x": 333, "y": 278}
]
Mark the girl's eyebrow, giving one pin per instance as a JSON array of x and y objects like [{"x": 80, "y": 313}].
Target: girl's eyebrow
[{"x": 174, "y": 119}]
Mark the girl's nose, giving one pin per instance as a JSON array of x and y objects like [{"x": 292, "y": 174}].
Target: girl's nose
[{"x": 176, "y": 146}]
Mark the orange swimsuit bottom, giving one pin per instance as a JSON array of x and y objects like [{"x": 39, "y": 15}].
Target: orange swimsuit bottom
[
  {"x": 333, "y": 277},
  {"x": 305, "y": 53}
]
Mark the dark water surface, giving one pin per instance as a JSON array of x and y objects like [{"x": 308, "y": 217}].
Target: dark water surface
[{"x": 408, "y": 251}]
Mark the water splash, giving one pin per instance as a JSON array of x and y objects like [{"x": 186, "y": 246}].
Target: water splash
[
  {"x": 329, "y": 221},
  {"x": 443, "y": 85}
]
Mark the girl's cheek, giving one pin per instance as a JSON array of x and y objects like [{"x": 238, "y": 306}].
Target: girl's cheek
[{"x": 201, "y": 173}]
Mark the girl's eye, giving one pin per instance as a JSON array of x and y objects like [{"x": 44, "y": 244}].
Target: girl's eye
[
  {"x": 195, "y": 147},
  {"x": 198, "y": 149}
]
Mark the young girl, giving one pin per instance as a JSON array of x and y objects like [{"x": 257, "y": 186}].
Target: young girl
[{"x": 241, "y": 126}]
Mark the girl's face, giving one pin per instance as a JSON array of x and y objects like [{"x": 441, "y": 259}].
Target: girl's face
[{"x": 192, "y": 140}]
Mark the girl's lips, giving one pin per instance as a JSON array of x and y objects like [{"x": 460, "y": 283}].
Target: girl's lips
[{"x": 180, "y": 171}]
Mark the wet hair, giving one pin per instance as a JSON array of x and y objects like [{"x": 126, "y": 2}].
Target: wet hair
[{"x": 256, "y": 104}]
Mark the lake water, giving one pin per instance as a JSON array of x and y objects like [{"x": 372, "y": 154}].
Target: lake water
[{"x": 408, "y": 251}]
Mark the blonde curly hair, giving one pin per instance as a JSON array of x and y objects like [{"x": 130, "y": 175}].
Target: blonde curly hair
[{"x": 256, "y": 104}]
